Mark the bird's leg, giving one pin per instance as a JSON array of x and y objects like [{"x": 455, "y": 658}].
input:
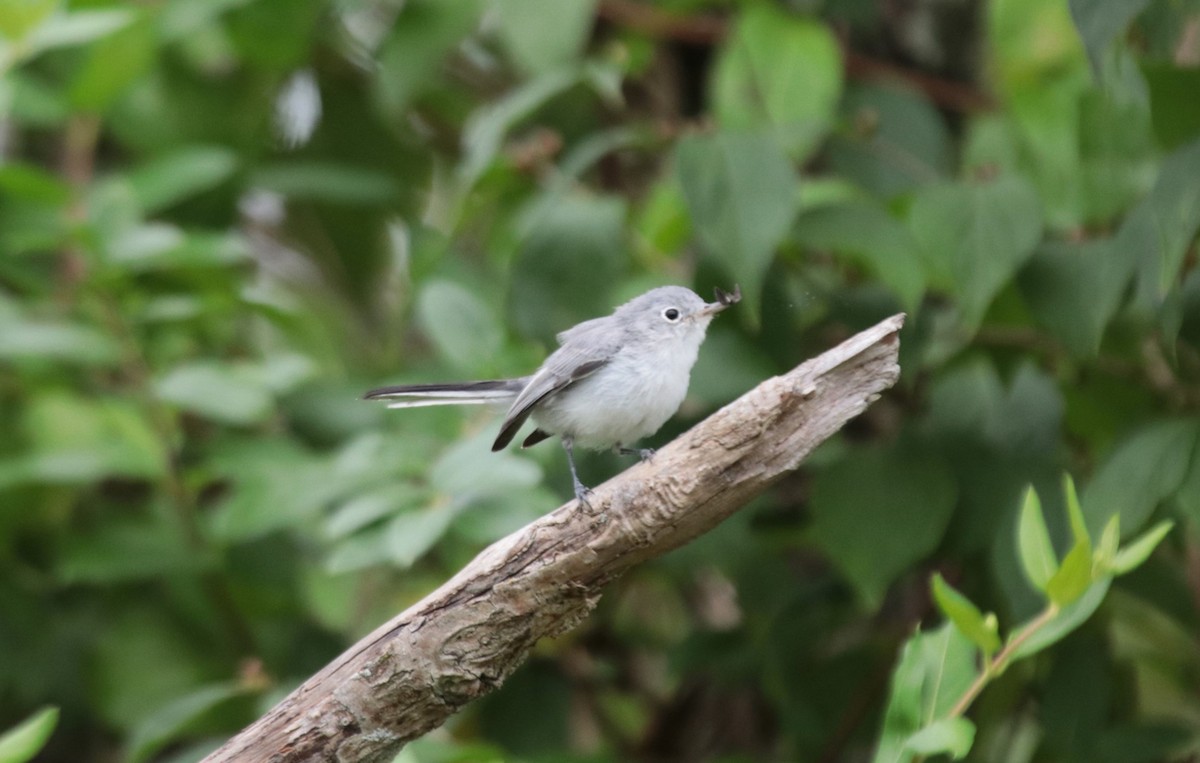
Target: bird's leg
[
  {"x": 582, "y": 491},
  {"x": 644, "y": 454}
]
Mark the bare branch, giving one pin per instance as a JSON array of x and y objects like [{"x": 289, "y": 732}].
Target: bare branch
[{"x": 465, "y": 638}]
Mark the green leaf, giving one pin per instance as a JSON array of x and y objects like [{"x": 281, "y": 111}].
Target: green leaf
[
  {"x": 740, "y": 190},
  {"x": 572, "y": 252},
  {"x": 412, "y": 534},
  {"x": 1074, "y": 289},
  {"x": 125, "y": 551},
  {"x": 411, "y": 58},
  {"x": 899, "y": 141},
  {"x": 1066, "y": 621},
  {"x": 1132, "y": 556},
  {"x": 1141, "y": 472},
  {"x": 327, "y": 181},
  {"x": 172, "y": 719},
  {"x": 781, "y": 71},
  {"x": 1100, "y": 21},
  {"x": 1074, "y": 575},
  {"x": 19, "y": 17},
  {"x": 1079, "y": 528},
  {"x": 79, "y": 27},
  {"x": 1110, "y": 539},
  {"x": 22, "y": 742},
  {"x": 77, "y": 440},
  {"x": 951, "y": 736},
  {"x": 974, "y": 237},
  {"x": 966, "y": 616},
  {"x": 865, "y": 234},
  {"x": 113, "y": 64},
  {"x": 538, "y": 46},
  {"x": 462, "y": 327},
  {"x": 935, "y": 669},
  {"x": 1033, "y": 542},
  {"x": 1174, "y": 113},
  {"x": 22, "y": 340},
  {"x": 231, "y": 394},
  {"x": 876, "y": 512},
  {"x": 1160, "y": 230},
  {"x": 185, "y": 172}
]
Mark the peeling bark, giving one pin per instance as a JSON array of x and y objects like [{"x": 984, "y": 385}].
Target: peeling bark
[{"x": 465, "y": 638}]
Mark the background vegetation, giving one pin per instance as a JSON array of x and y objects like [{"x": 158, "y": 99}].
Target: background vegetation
[{"x": 222, "y": 220}]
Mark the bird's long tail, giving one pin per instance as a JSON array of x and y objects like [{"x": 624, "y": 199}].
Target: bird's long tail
[{"x": 496, "y": 391}]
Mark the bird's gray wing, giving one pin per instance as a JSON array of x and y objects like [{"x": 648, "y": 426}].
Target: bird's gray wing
[{"x": 585, "y": 349}]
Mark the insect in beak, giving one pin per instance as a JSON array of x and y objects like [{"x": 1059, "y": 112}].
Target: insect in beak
[{"x": 724, "y": 300}]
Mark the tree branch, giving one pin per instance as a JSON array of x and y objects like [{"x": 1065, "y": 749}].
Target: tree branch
[{"x": 465, "y": 638}]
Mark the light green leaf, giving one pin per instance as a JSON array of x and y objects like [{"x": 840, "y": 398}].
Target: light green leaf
[
  {"x": 1079, "y": 528},
  {"x": 781, "y": 71},
  {"x": 78, "y": 27},
  {"x": 1110, "y": 539},
  {"x": 974, "y": 237},
  {"x": 934, "y": 670},
  {"x": 22, "y": 340},
  {"x": 462, "y": 327},
  {"x": 22, "y": 742},
  {"x": 1132, "y": 556},
  {"x": 1033, "y": 542},
  {"x": 876, "y": 512},
  {"x": 740, "y": 190},
  {"x": 369, "y": 507},
  {"x": 469, "y": 469},
  {"x": 411, "y": 58},
  {"x": 543, "y": 35},
  {"x": 112, "y": 64},
  {"x": 172, "y": 719},
  {"x": 951, "y": 736},
  {"x": 965, "y": 616},
  {"x": 228, "y": 393},
  {"x": 185, "y": 172},
  {"x": 78, "y": 440},
  {"x": 1066, "y": 621},
  {"x": 1074, "y": 575},
  {"x": 19, "y": 17}
]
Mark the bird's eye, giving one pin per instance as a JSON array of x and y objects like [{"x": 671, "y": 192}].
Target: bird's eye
[{"x": 671, "y": 314}]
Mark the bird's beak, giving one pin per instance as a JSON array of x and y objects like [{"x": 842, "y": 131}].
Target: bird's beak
[{"x": 724, "y": 300}]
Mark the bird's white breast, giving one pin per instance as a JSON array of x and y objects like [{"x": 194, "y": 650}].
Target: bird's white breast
[{"x": 627, "y": 399}]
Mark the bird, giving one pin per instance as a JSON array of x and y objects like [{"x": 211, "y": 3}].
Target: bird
[{"x": 612, "y": 381}]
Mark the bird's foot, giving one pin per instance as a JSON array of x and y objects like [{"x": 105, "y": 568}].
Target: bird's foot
[
  {"x": 582, "y": 494},
  {"x": 645, "y": 454}
]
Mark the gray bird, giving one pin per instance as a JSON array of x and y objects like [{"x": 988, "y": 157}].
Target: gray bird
[{"x": 611, "y": 382}]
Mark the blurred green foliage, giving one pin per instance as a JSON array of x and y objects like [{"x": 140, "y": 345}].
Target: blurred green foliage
[{"x": 222, "y": 220}]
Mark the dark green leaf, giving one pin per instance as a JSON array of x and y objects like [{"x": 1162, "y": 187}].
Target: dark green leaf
[
  {"x": 463, "y": 328},
  {"x": 1173, "y": 111},
  {"x": 779, "y": 71},
  {"x": 423, "y": 35},
  {"x": 877, "y": 512},
  {"x": 1141, "y": 472},
  {"x": 975, "y": 237},
  {"x": 326, "y": 181},
  {"x": 165, "y": 724},
  {"x": 866, "y": 234},
  {"x": 1100, "y": 21},
  {"x": 180, "y": 174},
  {"x": 740, "y": 190}
]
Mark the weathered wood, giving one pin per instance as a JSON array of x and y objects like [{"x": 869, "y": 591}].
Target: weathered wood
[{"x": 465, "y": 638}]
